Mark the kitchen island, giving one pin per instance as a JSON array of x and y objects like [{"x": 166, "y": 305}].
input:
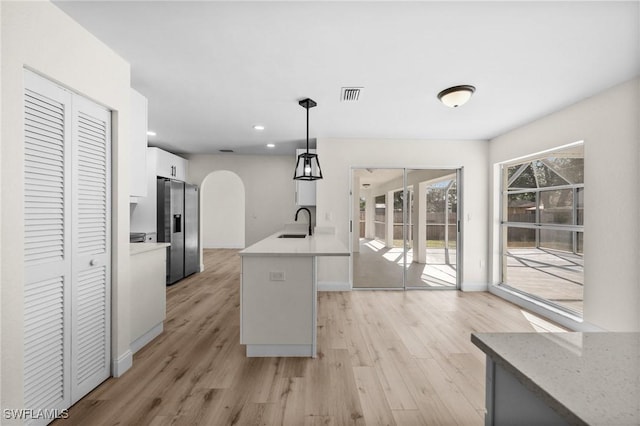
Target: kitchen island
[
  {"x": 561, "y": 378},
  {"x": 278, "y": 292}
]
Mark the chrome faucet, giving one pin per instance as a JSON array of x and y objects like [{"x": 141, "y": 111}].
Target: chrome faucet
[{"x": 309, "y": 213}]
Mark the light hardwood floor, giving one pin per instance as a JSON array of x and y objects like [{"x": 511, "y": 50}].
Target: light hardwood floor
[{"x": 385, "y": 357}]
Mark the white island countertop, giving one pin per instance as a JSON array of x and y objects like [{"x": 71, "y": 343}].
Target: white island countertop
[
  {"x": 318, "y": 244},
  {"x": 587, "y": 378}
]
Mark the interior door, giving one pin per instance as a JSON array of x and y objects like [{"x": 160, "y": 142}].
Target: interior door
[
  {"x": 91, "y": 291},
  {"x": 66, "y": 245},
  {"x": 47, "y": 245}
]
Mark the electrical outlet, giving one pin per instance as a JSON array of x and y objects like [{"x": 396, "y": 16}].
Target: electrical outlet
[{"x": 276, "y": 276}]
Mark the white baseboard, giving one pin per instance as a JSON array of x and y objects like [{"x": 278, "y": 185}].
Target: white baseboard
[
  {"x": 333, "y": 286},
  {"x": 474, "y": 286},
  {"x": 122, "y": 364},
  {"x": 147, "y": 337}
]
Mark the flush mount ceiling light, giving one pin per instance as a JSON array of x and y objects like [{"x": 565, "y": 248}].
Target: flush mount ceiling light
[
  {"x": 271, "y": 145},
  {"x": 151, "y": 133},
  {"x": 455, "y": 96},
  {"x": 258, "y": 127},
  {"x": 307, "y": 166}
]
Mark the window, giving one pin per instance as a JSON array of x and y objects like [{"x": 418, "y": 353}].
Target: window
[
  {"x": 380, "y": 217},
  {"x": 543, "y": 228}
]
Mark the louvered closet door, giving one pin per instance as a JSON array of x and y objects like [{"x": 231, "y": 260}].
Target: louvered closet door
[
  {"x": 91, "y": 244},
  {"x": 47, "y": 245},
  {"x": 66, "y": 245}
]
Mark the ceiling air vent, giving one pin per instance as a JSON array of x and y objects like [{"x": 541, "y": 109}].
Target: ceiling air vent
[
  {"x": 225, "y": 150},
  {"x": 350, "y": 94}
]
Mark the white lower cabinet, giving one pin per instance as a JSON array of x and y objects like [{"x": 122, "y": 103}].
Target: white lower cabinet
[
  {"x": 148, "y": 292},
  {"x": 67, "y": 247},
  {"x": 278, "y": 302}
]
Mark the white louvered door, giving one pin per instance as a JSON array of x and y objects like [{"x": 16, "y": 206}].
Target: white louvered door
[
  {"x": 91, "y": 249},
  {"x": 47, "y": 245},
  {"x": 67, "y": 245}
]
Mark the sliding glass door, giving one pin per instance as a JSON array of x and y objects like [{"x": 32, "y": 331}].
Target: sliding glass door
[
  {"x": 378, "y": 251},
  {"x": 432, "y": 230},
  {"x": 406, "y": 228}
]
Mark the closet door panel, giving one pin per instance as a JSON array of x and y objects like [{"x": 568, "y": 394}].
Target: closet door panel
[
  {"x": 91, "y": 231},
  {"x": 47, "y": 244}
]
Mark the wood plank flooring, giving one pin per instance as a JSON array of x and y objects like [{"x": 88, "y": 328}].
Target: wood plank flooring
[{"x": 385, "y": 358}]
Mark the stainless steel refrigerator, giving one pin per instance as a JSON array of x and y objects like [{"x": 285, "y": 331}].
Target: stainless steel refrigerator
[{"x": 178, "y": 224}]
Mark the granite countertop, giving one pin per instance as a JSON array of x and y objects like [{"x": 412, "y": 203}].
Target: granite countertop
[
  {"x": 137, "y": 248},
  {"x": 319, "y": 244},
  {"x": 588, "y": 378}
]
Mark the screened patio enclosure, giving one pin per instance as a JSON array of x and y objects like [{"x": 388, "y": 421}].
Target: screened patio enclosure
[
  {"x": 405, "y": 228},
  {"x": 543, "y": 227}
]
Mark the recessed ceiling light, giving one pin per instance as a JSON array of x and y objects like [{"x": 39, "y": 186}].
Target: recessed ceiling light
[
  {"x": 455, "y": 96},
  {"x": 258, "y": 127},
  {"x": 271, "y": 145},
  {"x": 151, "y": 133}
]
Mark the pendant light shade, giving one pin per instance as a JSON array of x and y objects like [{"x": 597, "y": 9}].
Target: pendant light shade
[
  {"x": 307, "y": 165},
  {"x": 455, "y": 96}
]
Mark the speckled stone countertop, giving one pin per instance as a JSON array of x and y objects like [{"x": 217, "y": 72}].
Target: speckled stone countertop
[{"x": 588, "y": 378}]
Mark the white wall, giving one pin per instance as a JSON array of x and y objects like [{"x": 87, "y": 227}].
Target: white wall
[
  {"x": 269, "y": 188},
  {"x": 338, "y": 156},
  {"x": 39, "y": 36},
  {"x": 223, "y": 208},
  {"x": 608, "y": 124}
]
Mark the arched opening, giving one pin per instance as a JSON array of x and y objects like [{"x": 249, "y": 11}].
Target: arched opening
[{"x": 222, "y": 215}]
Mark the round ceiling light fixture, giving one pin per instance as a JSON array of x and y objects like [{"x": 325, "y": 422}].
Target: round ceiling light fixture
[{"x": 455, "y": 96}]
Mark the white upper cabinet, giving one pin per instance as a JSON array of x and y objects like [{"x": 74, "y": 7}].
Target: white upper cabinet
[
  {"x": 305, "y": 189},
  {"x": 138, "y": 146},
  {"x": 169, "y": 165}
]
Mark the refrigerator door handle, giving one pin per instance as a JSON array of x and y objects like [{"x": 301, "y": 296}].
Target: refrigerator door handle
[{"x": 177, "y": 223}]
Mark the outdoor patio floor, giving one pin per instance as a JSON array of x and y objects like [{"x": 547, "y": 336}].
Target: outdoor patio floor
[
  {"x": 378, "y": 266},
  {"x": 548, "y": 274}
]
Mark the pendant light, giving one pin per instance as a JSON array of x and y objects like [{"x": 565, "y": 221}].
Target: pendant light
[
  {"x": 307, "y": 166},
  {"x": 455, "y": 96}
]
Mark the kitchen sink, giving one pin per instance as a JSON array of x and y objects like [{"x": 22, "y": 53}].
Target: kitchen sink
[{"x": 292, "y": 236}]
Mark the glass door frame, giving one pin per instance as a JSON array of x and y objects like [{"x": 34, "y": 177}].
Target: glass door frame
[{"x": 355, "y": 226}]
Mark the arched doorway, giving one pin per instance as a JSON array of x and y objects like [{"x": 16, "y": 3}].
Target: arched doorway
[{"x": 222, "y": 217}]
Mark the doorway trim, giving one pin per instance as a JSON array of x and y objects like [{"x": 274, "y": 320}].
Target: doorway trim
[{"x": 459, "y": 171}]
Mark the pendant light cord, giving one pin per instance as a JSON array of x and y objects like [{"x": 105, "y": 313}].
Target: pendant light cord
[{"x": 307, "y": 128}]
